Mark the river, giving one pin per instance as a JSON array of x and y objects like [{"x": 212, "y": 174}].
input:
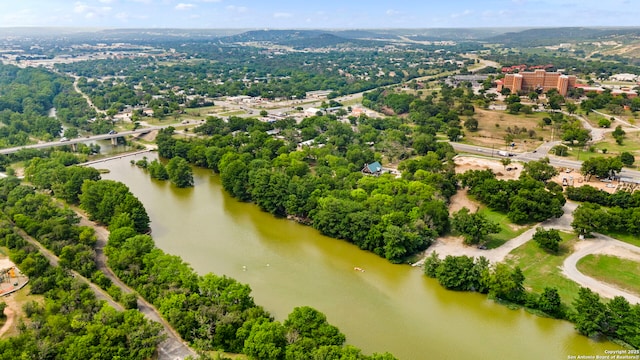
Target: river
[{"x": 387, "y": 307}]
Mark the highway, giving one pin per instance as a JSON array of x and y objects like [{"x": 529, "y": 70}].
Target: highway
[
  {"x": 78, "y": 140},
  {"x": 539, "y": 153}
]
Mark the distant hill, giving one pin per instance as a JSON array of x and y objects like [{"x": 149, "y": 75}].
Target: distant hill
[
  {"x": 310, "y": 38},
  {"x": 551, "y": 36}
]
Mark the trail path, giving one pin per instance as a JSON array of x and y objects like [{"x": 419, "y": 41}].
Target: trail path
[
  {"x": 171, "y": 348},
  {"x": 10, "y": 313}
]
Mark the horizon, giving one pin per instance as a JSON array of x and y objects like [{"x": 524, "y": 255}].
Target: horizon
[{"x": 330, "y": 14}]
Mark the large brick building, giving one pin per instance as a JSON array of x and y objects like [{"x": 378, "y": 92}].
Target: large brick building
[{"x": 538, "y": 80}]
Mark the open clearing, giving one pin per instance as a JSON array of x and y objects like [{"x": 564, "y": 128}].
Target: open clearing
[
  {"x": 621, "y": 272},
  {"x": 493, "y": 125}
]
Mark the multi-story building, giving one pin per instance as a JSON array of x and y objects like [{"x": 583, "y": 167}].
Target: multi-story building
[{"x": 539, "y": 80}]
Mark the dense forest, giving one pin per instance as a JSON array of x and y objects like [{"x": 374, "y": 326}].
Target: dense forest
[{"x": 323, "y": 185}]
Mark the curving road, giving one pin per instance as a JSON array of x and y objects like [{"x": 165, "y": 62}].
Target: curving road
[
  {"x": 594, "y": 246},
  {"x": 601, "y": 244}
]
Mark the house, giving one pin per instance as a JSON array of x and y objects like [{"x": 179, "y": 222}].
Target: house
[{"x": 375, "y": 168}]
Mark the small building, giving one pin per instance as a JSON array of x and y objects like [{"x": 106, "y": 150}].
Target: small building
[
  {"x": 311, "y": 111},
  {"x": 307, "y": 143},
  {"x": 375, "y": 168},
  {"x": 318, "y": 94}
]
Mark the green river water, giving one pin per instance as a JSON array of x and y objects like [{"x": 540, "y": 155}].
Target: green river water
[{"x": 387, "y": 307}]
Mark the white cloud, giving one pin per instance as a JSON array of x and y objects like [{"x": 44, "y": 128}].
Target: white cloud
[
  {"x": 90, "y": 12},
  {"x": 210, "y": 1},
  {"x": 183, "y": 6},
  {"x": 281, "y": 15},
  {"x": 462, "y": 14},
  {"x": 239, "y": 9},
  {"x": 392, "y": 12}
]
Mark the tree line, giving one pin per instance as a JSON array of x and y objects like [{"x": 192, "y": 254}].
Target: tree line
[
  {"x": 603, "y": 212},
  {"x": 26, "y": 97}
]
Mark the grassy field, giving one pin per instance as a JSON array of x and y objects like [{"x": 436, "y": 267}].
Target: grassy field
[
  {"x": 542, "y": 269},
  {"x": 622, "y": 273},
  {"x": 508, "y": 229},
  {"x": 631, "y": 144},
  {"x": 493, "y": 125}
]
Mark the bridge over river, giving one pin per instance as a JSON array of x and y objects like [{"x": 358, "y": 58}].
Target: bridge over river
[{"x": 80, "y": 140}]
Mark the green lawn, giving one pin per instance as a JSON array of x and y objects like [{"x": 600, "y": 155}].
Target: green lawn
[
  {"x": 542, "y": 269},
  {"x": 622, "y": 273},
  {"x": 508, "y": 229}
]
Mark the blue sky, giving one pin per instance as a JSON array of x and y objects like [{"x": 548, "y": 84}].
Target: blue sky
[{"x": 318, "y": 13}]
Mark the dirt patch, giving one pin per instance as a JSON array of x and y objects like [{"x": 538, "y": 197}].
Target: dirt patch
[
  {"x": 461, "y": 200},
  {"x": 465, "y": 163},
  {"x": 621, "y": 253},
  {"x": 574, "y": 178}
]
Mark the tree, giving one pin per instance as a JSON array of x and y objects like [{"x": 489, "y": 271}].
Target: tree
[
  {"x": 157, "y": 170},
  {"x": 560, "y": 150},
  {"x": 180, "y": 172},
  {"x": 627, "y": 158},
  {"x": 571, "y": 107},
  {"x": 471, "y": 124},
  {"x": 506, "y": 283},
  {"x": 505, "y": 162},
  {"x": 550, "y": 302},
  {"x": 540, "y": 170},
  {"x": 589, "y": 217},
  {"x": 308, "y": 323},
  {"x": 591, "y": 313},
  {"x": 604, "y": 123},
  {"x": 547, "y": 239},
  {"x": 474, "y": 227},
  {"x": 266, "y": 341},
  {"x": 619, "y": 134}
]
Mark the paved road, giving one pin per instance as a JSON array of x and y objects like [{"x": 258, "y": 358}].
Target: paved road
[
  {"x": 500, "y": 253},
  {"x": 600, "y": 244},
  {"x": 533, "y": 156},
  {"x": 592, "y": 246}
]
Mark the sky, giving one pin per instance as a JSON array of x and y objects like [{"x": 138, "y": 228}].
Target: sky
[{"x": 318, "y": 14}]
